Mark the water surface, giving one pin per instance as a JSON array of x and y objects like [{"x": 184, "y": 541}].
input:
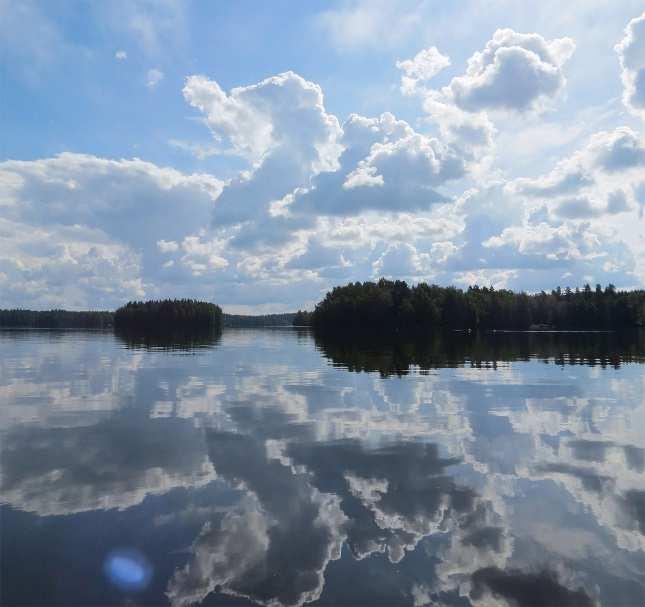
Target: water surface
[{"x": 263, "y": 467}]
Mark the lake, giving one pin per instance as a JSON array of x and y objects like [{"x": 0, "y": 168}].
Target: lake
[{"x": 264, "y": 467}]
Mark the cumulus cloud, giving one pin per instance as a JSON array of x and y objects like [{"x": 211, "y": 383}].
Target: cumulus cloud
[
  {"x": 281, "y": 127},
  {"x": 472, "y": 133},
  {"x": 505, "y": 235},
  {"x": 547, "y": 243},
  {"x": 167, "y": 246},
  {"x": 400, "y": 261},
  {"x": 121, "y": 197},
  {"x": 412, "y": 162},
  {"x": 617, "y": 151},
  {"x": 154, "y": 77},
  {"x": 257, "y": 120},
  {"x": 631, "y": 54},
  {"x": 515, "y": 71},
  {"x": 318, "y": 202},
  {"x": 120, "y": 55},
  {"x": 65, "y": 266},
  {"x": 598, "y": 179},
  {"x": 306, "y": 172},
  {"x": 385, "y": 165},
  {"x": 317, "y": 255},
  {"x": 425, "y": 65},
  {"x": 88, "y": 228}
]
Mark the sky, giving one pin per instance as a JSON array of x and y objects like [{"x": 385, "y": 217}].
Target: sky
[{"x": 256, "y": 154}]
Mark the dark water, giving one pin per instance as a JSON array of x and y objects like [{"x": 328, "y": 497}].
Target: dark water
[{"x": 263, "y": 467}]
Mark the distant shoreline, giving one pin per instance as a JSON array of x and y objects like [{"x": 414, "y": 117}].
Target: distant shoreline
[
  {"x": 104, "y": 320},
  {"x": 384, "y": 307}
]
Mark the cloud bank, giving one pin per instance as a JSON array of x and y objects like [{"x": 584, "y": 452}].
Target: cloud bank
[{"x": 320, "y": 200}]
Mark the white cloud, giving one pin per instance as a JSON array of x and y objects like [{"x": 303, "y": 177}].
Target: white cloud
[
  {"x": 121, "y": 55},
  {"x": 319, "y": 203},
  {"x": 425, "y": 65},
  {"x": 470, "y": 132},
  {"x": 317, "y": 255},
  {"x": 66, "y": 267},
  {"x": 257, "y": 120},
  {"x": 631, "y": 53},
  {"x": 281, "y": 127},
  {"x": 385, "y": 165},
  {"x": 515, "y": 71},
  {"x": 507, "y": 236},
  {"x": 400, "y": 261},
  {"x": 415, "y": 161},
  {"x": 92, "y": 229},
  {"x": 369, "y": 24},
  {"x": 198, "y": 150},
  {"x": 247, "y": 128},
  {"x": 154, "y": 77},
  {"x": 600, "y": 178},
  {"x": 167, "y": 246}
]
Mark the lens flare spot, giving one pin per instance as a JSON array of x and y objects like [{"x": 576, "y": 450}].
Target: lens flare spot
[{"x": 128, "y": 569}]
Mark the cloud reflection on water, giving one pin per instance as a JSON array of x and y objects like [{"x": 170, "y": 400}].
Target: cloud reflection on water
[{"x": 394, "y": 462}]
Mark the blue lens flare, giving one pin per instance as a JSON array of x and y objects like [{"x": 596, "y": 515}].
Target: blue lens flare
[{"x": 128, "y": 569}]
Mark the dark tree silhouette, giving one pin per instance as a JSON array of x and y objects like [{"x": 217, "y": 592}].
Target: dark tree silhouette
[
  {"x": 168, "y": 315},
  {"x": 301, "y": 319},
  {"x": 260, "y": 320},
  {"x": 394, "y": 306},
  {"x": 55, "y": 319}
]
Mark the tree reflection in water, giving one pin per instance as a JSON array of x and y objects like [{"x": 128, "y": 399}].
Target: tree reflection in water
[{"x": 269, "y": 468}]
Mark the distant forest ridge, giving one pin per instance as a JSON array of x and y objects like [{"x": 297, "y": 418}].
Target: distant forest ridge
[
  {"x": 260, "y": 320},
  {"x": 55, "y": 319},
  {"x": 394, "y": 306},
  {"x": 65, "y": 319},
  {"x": 383, "y": 305}
]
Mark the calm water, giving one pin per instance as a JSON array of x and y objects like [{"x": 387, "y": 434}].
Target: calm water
[{"x": 262, "y": 467}]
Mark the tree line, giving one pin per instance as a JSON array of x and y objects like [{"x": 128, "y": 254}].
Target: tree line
[
  {"x": 167, "y": 314},
  {"x": 55, "y": 319},
  {"x": 302, "y": 318},
  {"x": 394, "y": 306},
  {"x": 259, "y": 320}
]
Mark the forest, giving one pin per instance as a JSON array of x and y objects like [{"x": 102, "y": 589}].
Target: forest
[
  {"x": 386, "y": 306},
  {"x": 302, "y": 318},
  {"x": 56, "y": 319},
  {"x": 260, "y": 320},
  {"x": 168, "y": 314},
  {"x": 394, "y": 306}
]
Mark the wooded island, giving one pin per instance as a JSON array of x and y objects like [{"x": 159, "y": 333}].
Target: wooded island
[
  {"x": 161, "y": 315},
  {"x": 394, "y": 306}
]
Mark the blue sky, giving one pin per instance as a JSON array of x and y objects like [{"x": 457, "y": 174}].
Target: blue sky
[{"x": 255, "y": 154}]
